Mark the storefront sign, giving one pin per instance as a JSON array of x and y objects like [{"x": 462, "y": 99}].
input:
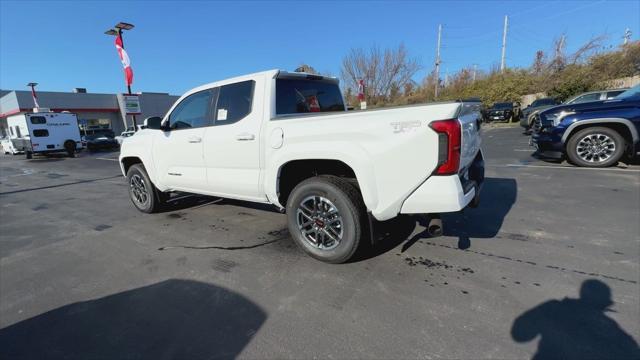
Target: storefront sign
[{"x": 132, "y": 104}]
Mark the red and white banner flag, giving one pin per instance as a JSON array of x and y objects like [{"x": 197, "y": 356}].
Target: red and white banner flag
[
  {"x": 126, "y": 63},
  {"x": 361, "y": 90}
]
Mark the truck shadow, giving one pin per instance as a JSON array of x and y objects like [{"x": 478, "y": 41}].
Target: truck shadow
[
  {"x": 173, "y": 319},
  {"x": 497, "y": 198}
]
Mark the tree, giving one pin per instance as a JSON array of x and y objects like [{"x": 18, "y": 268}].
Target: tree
[
  {"x": 559, "y": 59},
  {"x": 384, "y": 72},
  {"x": 539, "y": 63},
  {"x": 588, "y": 49}
]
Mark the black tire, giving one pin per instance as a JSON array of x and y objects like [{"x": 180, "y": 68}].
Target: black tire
[
  {"x": 70, "y": 146},
  {"x": 154, "y": 199},
  {"x": 346, "y": 198},
  {"x": 29, "y": 155},
  {"x": 614, "y": 138}
]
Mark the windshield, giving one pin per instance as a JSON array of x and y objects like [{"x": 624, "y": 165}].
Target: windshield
[
  {"x": 633, "y": 92},
  {"x": 100, "y": 134},
  {"x": 502, "y": 106},
  {"x": 542, "y": 102}
]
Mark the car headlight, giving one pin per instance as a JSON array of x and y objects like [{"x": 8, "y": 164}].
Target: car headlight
[{"x": 556, "y": 117}]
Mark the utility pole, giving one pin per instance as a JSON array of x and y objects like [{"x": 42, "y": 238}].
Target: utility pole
[
  {"x": 627, "y": 36},
  {"x": 475, "y": 69},
  {"x": 437, "y": 71},
  {"x": 504, "y": 42}
]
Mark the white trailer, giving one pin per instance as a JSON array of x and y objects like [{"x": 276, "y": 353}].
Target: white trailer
[{"x": 44, "y": 133}]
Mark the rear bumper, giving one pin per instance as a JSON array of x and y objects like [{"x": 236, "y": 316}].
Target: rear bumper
[{"x": 441, "y": 194}]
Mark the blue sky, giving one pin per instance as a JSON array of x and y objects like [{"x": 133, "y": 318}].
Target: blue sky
[{"x": 178, "y": 45}]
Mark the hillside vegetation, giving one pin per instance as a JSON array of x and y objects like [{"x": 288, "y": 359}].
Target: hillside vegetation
[{"x": 387, "y": 75}]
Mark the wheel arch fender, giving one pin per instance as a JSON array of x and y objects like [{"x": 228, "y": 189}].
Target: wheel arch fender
[
  {"x": 128, "y": 160},
  {"x": 601, "y": 121},
  {"x": 356, "y": 159}
]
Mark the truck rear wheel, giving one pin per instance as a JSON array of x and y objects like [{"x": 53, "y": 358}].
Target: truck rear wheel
[
  {"x": 595, "y": 147},
  {"x": 143, "y": 194},
  {"x": 29, "y": 155},
  {"x": 70, "y": 146},
  {"x": 326, "y": 218}
]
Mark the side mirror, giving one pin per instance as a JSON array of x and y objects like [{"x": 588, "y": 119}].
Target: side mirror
[{"x": 154, "y": 122}]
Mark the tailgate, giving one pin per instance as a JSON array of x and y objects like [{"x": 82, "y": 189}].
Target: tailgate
[{"x": 469, "y": 118}]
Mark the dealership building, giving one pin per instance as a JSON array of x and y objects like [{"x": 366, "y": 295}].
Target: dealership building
[{"x": 93, "y": 110}]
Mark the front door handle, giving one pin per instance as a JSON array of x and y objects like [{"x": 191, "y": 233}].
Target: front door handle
[
  {"x": 245, "y": 137},
  {"x": 194, "y": 139}
]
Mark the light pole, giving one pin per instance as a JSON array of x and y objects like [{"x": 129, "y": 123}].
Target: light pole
[
  {"x": 117, "y": 31},
  {"x": 33, "y": 85}
]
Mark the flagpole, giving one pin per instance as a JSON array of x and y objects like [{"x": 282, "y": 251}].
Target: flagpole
[{"x": 117, "y": 31}]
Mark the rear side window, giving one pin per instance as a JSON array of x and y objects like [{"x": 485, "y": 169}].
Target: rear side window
[
  {"x": 612, "y": 94},
  {"x": 192, "y": 112},
  {"x": 40, "y": 132},
  {"x": 234, "y": 102},
  {"x": 38, "y": 120},
  {"x": 295, "y": 96}
]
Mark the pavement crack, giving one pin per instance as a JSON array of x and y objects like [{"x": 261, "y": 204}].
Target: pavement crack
[{"x": 206, "y": 247}]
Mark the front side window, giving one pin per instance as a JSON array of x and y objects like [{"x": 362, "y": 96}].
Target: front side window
[
  {"x": 295, "y": 96},
  {"x": 38, "y": 120},
  {"x": 234, "y": 102},
  {"x": 40, "y": 132},
  {"x": 587, "y": 98},
  {"x": 192, "y": 112}
]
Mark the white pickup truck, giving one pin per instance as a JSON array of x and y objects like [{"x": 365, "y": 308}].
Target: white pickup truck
[{"x": 287, "y": 139}]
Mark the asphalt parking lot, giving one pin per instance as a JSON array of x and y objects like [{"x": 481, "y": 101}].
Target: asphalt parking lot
[{"x": 84, "y": 275}]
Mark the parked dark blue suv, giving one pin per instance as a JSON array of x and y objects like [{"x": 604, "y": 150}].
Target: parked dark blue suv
[{"x": 592, "y": 134}]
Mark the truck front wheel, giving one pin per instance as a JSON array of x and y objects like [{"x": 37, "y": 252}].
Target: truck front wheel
[
  {"x": 326, "y": 218},
  {"x": 144, "y": 195},
  {"x": 595, "y": 147}
]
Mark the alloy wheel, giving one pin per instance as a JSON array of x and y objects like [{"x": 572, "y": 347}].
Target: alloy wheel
[
  {"x": 319, "y": 222},
  {"x": 596, "y": 148},
  {"x": 139, "y": 192}
]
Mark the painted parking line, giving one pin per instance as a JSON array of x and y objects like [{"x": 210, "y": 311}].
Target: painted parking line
[
  {"x": 101, "y": 158},
  {"x": 563, "y": 167},
  {"x": 527, "y": 150}
]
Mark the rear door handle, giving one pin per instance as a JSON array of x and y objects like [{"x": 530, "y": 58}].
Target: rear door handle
[
  {"x": 245, "y": 137},
  {"x": 194, "y": 139}
]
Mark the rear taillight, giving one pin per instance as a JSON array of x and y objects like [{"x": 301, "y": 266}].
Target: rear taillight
[{"x": 449, "y": 140}]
